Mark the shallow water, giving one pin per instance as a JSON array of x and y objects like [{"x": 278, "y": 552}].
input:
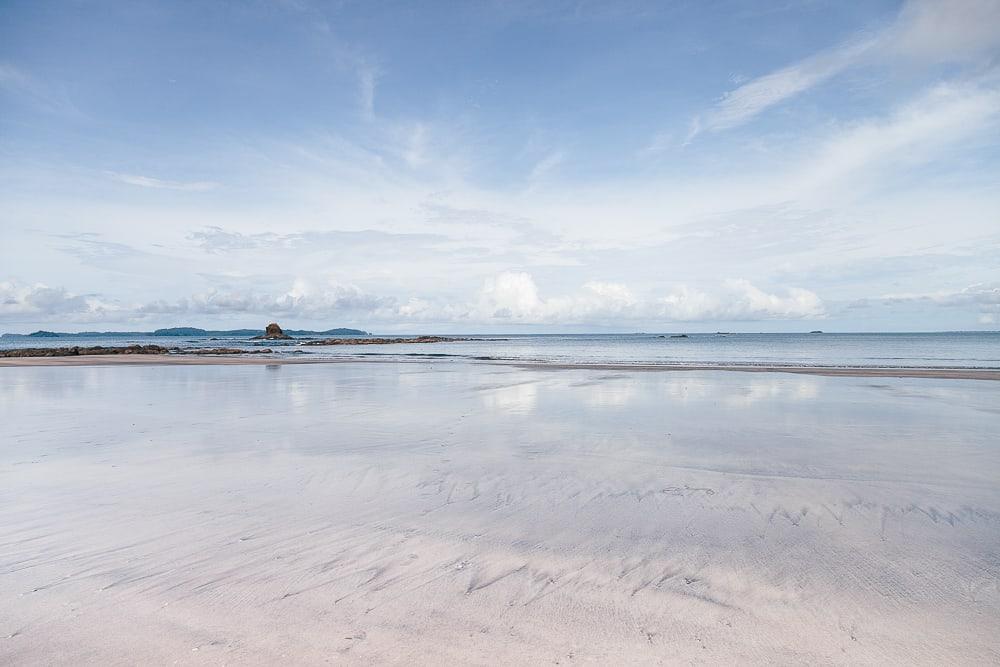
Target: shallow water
[
  {"x": 428, "y": 512},
  {"x": 920, "y": 350}
]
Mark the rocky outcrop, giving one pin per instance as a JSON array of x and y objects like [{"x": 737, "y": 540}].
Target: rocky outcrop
[
  {"x": 382, "y": 341},
  {"x": 131, "y": 349},
  {"x": 273, "y": 332},
  {"x": 77, "y": 351}
]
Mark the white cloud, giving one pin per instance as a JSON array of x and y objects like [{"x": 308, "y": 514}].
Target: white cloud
[
  {"x": 984, "y": 297},
  {"x": 911, "y": 135},
  {"x": 546, "y": 166},
  {"x": 304, "y": 299},
  {"x": 507, "y": 298},
  {"x": 13, "y": 77},
  {"x": 924, "y": 30},
  {"x": 161, "y": 184},
  {"x": 510, "y": 295},
  {"x": 739, "y": 300},
  {"x": 946, "y": 30},
  {"x": 415, "y": 148},
  {"x": 41, "y": 300},
  {"x": 514, "y": 296},
  {"x": 367, "y": 82},
  {"x": 41, "y": 94},
  {"x": 744, "y": 103}
]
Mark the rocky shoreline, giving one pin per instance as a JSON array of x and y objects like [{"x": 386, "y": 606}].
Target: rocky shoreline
[
  {"x": 272, "y": 332},
  {"x": 77, "y": 351}
]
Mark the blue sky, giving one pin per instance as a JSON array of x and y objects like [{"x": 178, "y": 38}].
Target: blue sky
[{"x": 506, "y": 166}]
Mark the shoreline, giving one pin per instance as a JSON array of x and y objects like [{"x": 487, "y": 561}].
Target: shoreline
[{"x": 205, "y": 360}]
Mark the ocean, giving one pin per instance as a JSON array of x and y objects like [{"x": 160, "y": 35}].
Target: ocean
[{"x": 868, "y": 350}]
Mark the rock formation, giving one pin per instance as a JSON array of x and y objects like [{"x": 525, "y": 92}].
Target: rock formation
[
  {"x": 78, "y": 351},
  {"x": 273, "y": 332}
]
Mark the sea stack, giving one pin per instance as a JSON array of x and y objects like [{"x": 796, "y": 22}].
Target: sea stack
[{"x": 273, "y": 332}]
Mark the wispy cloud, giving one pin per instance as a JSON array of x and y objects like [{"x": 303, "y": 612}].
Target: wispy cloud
[
  {"x": 40, "y": 94},
  {"x": 13, "y": 77},
  {"x": 219, "y": 240},
  {"x": 546, "y": 166},
  {"x": 741, "y": 105},
  {"x": 162, "y": 184},
  {"x": 912, "y": 134},
  {"x": 367, "y": 83},
  {"x": 982, "y": 300},
  {"x": 936, "y": 30}
]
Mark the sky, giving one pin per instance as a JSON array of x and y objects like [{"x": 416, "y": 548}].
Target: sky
[{"x": 512, "y": 166}]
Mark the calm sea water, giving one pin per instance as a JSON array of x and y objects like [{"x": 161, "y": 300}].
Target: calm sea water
[{"x": 943, "y": 350}]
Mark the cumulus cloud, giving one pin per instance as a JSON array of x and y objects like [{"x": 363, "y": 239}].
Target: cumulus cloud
[
  {"x": 508, "y": 298},
  {"x": 305, "y": 299},
  {"x": 739, "y": 300},
  {"x": 514, "y": 296},
  {"x": 42, "y": 300}
]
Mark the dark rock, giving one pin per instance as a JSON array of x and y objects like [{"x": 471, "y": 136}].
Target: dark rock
[
  {"x": 77, "y": 351},
  {"x": 273, "y": 332}
]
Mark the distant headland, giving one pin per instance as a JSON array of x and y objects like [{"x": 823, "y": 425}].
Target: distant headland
[{"x": 185, "y": 332}]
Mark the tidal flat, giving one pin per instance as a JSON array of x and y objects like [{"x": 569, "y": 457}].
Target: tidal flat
[{"x": 463, "y": 513}]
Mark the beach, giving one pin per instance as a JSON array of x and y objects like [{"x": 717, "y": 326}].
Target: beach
[{"x": 226, "y": 510}]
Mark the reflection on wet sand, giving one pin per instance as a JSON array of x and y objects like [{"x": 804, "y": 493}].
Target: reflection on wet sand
[{"x": 473, "y": 513}]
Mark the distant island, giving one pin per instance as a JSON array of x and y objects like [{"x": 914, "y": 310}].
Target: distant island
[
  {"x": 185, "y": 331},
  {"x": 271, "y": 332}
]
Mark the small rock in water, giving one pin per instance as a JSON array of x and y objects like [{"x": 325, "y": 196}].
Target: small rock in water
[{"x": 273, "y": 332}]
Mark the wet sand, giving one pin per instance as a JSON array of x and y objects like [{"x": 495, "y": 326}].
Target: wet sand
[
  {"x": 442, "y": 513},
  {"x": 202, "y": 360}
]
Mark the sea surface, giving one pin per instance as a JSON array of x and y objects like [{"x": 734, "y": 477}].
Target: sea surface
[{"x": 870, "y": 350}]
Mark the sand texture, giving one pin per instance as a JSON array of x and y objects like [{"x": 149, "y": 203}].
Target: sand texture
[{"x": 460, "y": 513}]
